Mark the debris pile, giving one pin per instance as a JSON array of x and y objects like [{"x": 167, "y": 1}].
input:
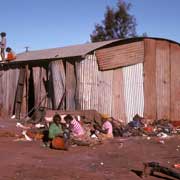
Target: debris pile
[{"x": 60, "y": 130}]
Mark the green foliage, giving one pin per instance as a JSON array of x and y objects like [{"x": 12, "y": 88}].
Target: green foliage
[{"x": 117, "y": 23}]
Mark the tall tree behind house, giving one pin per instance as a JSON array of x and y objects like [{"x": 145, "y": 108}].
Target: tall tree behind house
[{"x": 117, "y": 23}]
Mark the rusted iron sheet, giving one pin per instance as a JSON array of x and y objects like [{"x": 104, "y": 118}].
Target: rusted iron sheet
[
  {"x": 8, "y": 80},
  {"x": 94, "y": 87},
  {"x": 133, "y": 90},
  {"x": 39, "y": 73},
  {"x": 175, "y": 82},
  {"x": 163, "y": 79},
  {"x": 58, "y": 77},
  {"x": 87, "y": 83},
  {"x": 70, "y": 85},
  {"x": 24, "y": 108},
  {"x": 19, "y": 92},
  {"x": 118, "y": 102},
  {"x": 105, "y": 92},
  {"x": 94, "y": 81},
  {"x": 121, "y": 55},
  {"x": 150, "y": 105}
]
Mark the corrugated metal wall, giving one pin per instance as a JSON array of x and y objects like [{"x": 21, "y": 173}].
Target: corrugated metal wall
[
  {"x": 58, "y": 78},
  {"x": 120, "y": 55},
  {"x": 150, "y": 97},
  {"x": 105, "y": 92},
  {"x": 8, "y": 81},
  {"x": 133, "y": 90},
  {"x": 96, "y": 89},
  {"x": 118, "y": 101},
  {"x": 175, "y": 82},
  {"x": 87, "y": 83},
  {"x": 94, "y": 86},
  {"x": 163, "y": 79},
  {"x": 39, "y": 73}
]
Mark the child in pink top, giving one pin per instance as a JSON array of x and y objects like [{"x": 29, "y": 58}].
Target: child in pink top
[
  {"x": 107, "y": 126},
  {"x": 75, "y": 127}
]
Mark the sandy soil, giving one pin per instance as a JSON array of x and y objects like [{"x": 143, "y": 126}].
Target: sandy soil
[{"x": 113, "y": 160}]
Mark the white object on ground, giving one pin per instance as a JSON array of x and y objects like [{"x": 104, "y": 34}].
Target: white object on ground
[
  {"x": 26, "y": 136},
  {"x": 48, "y": 119},
  {"x": 93, "y": 136},
  {"x": 13, "y": 117},
  {"x": 162, "y": 135},
  {"x": 21, "y": 126},
  {"x": 39, "y": 125}
]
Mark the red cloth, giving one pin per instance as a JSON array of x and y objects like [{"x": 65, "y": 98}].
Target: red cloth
[
  {"x": 58, "y": 143},
  {"x": 10, "y": 56}
]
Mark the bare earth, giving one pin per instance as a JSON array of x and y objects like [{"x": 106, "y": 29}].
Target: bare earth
[{"x": 117, "y": 159}]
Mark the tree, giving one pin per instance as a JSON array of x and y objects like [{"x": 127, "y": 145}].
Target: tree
[{"x": 117, "y": 23}]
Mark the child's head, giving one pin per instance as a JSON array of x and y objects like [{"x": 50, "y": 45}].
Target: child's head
[
  {"x": 8, "y": 49},
  {"x": 68, "y": 118},
  {"x": 57, "y": 118},
  {"x": 3, "y": 34}
]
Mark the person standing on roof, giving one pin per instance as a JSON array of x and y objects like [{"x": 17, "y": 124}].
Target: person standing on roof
[{"x": 3, "y": 45}]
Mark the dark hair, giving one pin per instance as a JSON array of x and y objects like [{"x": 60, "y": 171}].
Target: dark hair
[
  {"x": 68, "y": 118},
  {"x": 8, "y": 49},
  {"x": 56, "y": 116},
  {"x": 3, "y": 34}
]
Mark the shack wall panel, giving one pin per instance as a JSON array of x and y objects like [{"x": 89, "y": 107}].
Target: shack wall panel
[
  {"x": 58, "y": 77},
  {"x": 163, "y": 79},
  {"x": 39, "y": 89},
  {"x": 1, "y": 89},
  {"x": 87, "y": 76},
  {"x": 36, "y": 78},
  {"x": 43, "y": 95},
  {"x": 150, "y": 104},
  {"x": 175, "y": 82},
  {"x": 8, "y": 80},
  {"x": 94, "y": 87},
  {"x": 122, "y": 55},
  {"x": 78, "y": 86},
  {"x": 118, "y": 102},
  {"x": 133, "y": 90},
  {"x": 8, "y": 89},
  {"x": 105, "y": 92},
  {"x": 70, "y": 85}
]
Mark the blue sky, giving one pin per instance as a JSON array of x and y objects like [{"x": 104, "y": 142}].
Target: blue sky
[{"x": 42, "y": 24}]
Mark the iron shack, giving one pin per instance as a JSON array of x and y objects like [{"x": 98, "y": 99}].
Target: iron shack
[{"x": 120, "y": 78}]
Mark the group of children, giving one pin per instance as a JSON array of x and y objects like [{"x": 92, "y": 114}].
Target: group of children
[
  {"x": 10, "y": 54},
  {"x": 69, "y": 130}
]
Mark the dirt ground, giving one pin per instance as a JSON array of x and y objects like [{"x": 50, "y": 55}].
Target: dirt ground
[{"x": 118, "y": 159}]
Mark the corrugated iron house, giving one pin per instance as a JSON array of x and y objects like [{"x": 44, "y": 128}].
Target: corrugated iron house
[{"x": 118, "y": 77}]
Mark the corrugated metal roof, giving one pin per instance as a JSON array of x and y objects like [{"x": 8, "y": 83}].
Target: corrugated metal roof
[
  {"x": 73, "y": 51},
  {"x": 62, "y": 52}
]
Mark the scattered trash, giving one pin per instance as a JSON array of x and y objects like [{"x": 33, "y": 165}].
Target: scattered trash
[
  {"x": 162, "y": 142},
  {"x": 13, "y": 117},
  {"x": 151, "y": 167},
  {"x": 39, "y": 125},
  {"x": 26, "y": 136},
  {"x": 148, "y": 138},
  {"x": 21, "y": 126},
  {"x": 162, "y": 135},
  {"x": 177, "y": 166}
]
